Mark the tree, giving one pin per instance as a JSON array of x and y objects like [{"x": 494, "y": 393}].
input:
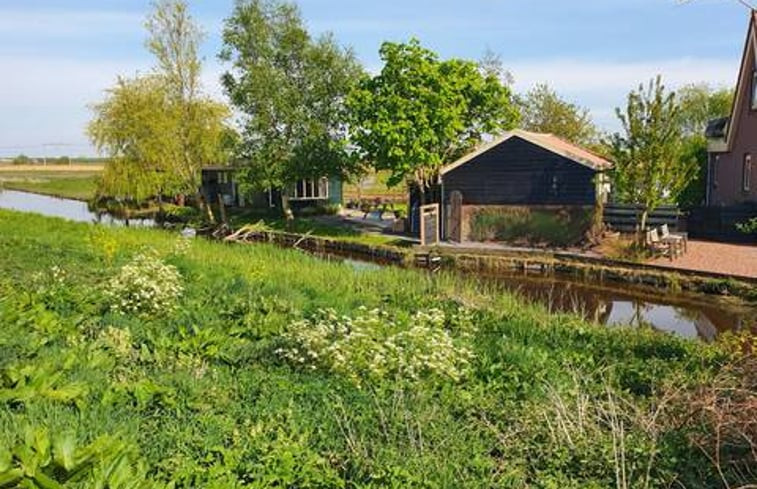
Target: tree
[
  {"x": 542, "y": 110},
  {"x": 649, "y": 168},
  {"x": 698, "y": 104},
  {"x": 158, "y": 129},
  {"x": 290, "y": 90},
  {"x": 22, "y": 159},
  {"x": 420, "y": 113}
]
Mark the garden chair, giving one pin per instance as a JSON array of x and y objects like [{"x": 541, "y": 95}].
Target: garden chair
[
  {"x": 657, "y": 245},
  {"x": 679, "y": 239}
]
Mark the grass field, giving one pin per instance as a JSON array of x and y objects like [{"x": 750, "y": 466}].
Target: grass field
[
  {"x": 67, "y": 181},
  {"x": 374, "y": 186},
  {"x": 133, "y": 358}
]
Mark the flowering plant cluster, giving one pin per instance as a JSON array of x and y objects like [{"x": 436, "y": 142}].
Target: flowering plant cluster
[
  {"x": 145, "y": 286},
  {"x": 373, "y": 346}
]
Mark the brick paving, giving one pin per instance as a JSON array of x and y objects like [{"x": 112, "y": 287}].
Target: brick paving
[{"x": 731, "y": 259}]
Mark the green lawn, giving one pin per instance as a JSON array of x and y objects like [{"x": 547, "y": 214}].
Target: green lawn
[
  {"x": 271, "y": 368},
  {"x": 71, "y": 185},
  {"x": 313, "y": 226}
]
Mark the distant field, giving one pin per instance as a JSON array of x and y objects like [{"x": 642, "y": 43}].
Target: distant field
[
  {"x": 49, "y": 169},
  {"x": 76, "y": 181},
  {"x": 374, "y": 186}
]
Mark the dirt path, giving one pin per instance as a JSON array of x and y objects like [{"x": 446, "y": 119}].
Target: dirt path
[{"x": 725, "y": 258}]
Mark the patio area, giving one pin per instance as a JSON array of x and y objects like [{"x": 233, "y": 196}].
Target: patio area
[{"x": 705, "y": 256}]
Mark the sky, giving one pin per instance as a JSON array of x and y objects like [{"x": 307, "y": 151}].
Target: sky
[{"x": 57, "y": 58}]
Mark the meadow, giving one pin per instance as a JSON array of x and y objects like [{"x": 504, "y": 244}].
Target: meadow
[
  {"x": 76, "y": 181},
  {"x": 136, "y": 358}
]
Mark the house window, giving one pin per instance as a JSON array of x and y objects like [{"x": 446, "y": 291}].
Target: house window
[
  {"x": 310, "y": 189},
  {"x": 746, "y": 176},
  {"x": 754, "y": 90},
  {"x": 223, "y": 177}
]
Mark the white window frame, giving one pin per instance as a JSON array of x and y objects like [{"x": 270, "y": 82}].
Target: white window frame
[{"x": 311, "y": 189}]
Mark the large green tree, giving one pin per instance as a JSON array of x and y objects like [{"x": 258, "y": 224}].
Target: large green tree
[
  {"x": 289, "y": 89},
  {"x": 543, "y": 110},
  {"x": 420, "y": 112},
  {"x": 159, "y": 129},
  {"x": 650, "y": 169}
]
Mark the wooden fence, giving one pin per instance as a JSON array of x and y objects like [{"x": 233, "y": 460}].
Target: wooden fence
[
  {"x": 719, "y": 223},
  {"x": 626, "y": 218}
]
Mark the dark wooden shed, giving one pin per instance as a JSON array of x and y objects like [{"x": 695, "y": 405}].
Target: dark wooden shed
[{"x": 519, "y": 174}]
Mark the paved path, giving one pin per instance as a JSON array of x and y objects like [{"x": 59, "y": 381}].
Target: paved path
[{"x": 725, "y": 258}]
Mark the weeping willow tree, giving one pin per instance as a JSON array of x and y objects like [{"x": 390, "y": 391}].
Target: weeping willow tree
[{"x": 159, "y": 129}]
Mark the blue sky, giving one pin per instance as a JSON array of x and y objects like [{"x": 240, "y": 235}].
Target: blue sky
[{"x": 57, "y": 57}]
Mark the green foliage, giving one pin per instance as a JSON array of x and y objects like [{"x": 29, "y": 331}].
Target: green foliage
[
  {"x": 158, "y": 129},
  {"x": 290, "y": 89},
  {"x": 649, "y": 168},
  {"x": 699, "y": 103},
  {"x": 22, "y": 160},
  {"x": 694, "y": 148},
  {"x": 198, "y": 396},
  {"x": 420, "y": 113},
  {"x": 748, "y": 227},
  {"x": 42, "y": 461},
  {"x": 565, "y": 227},
  {"x": 542, "y": 110}
]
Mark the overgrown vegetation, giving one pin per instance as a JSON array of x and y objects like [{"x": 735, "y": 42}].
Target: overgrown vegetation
[
  {"x": 475, "y": 389},
  {"x": 523, "y": 225}
]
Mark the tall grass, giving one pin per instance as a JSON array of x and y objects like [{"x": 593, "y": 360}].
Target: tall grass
[{"x": 200, "y": 397}]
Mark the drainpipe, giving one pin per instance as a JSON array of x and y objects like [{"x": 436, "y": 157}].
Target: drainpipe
[{"x": 442, "y": 213}]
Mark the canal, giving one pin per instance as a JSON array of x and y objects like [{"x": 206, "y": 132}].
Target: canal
[{"x": 688, "y": 315}]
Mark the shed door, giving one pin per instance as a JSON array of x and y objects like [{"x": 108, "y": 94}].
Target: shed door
[{"x": 456, "y": 217}]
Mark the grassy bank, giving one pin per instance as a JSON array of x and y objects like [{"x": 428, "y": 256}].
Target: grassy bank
[
  {"x": 75, "y": 182},
  {"x": 268, "y": 368}
]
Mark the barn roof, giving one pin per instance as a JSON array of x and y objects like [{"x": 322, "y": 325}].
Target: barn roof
[{"x": 549, "y": 142}]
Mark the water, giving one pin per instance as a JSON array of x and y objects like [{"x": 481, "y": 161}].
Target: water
[
  {"x": 615, "y": 305},
  {"x": 627, "y": 305},
  {"x": 693, "y": 316},
  {"x": 72, "y": 210}
]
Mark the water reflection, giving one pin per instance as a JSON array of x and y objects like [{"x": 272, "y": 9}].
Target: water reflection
[
  {"x": 689, "y": 316},
  {"x": 72, "y": 210}
]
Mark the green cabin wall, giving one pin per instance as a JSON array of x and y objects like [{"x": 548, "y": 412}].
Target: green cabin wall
[{"x": 335, "y": 191}]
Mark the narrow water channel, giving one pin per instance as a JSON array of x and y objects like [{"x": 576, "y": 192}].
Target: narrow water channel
[
  {"x": 694, "y": 316},
  {"x": 73, "y": 210},
  {"x": 687, "y": 315}
]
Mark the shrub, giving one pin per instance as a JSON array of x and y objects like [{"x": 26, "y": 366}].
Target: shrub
[
  {"x": 146, "y": 286},
  {"x": 373, "y": 346}
]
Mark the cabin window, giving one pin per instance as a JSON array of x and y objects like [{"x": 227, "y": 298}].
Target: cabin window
[
  {"x": 310, "y": 189},
  {"x": 223, "y": 178},
  {"x": 754, "y": 90},
  {"x": 746, "y": 175}
]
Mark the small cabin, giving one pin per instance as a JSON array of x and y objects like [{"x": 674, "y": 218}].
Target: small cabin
[
  {"x": 521, "y": 186},
  {"x": 307, "y": 192}
]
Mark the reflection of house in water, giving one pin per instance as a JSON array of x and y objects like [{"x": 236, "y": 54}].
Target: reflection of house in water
[{"x": 635, "y": 307}]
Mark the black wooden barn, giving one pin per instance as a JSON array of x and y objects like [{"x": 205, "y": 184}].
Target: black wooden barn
[{"x": 520, "y": 170}]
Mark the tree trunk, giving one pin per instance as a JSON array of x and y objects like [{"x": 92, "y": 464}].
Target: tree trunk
[
  {"x": 642, "y": 236},
  {"x": 205, "y": 206},
  {"x": 288, "y": 214}
]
